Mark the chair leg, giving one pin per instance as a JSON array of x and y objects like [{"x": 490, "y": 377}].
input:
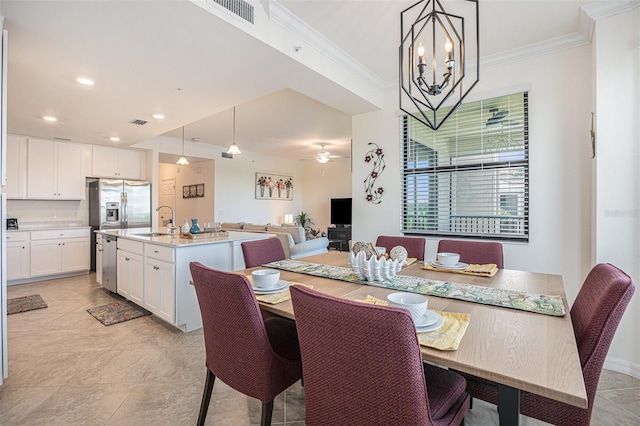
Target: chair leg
[
  {"x": 206, "y": 397},
  {"x": 267, "y": 412}
]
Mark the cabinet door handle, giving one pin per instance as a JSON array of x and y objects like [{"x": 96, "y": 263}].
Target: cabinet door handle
[
  {"x": 156, "y": 268},
  {"x": 155, "y": 251},
  {"x": 126, "y": 258}
]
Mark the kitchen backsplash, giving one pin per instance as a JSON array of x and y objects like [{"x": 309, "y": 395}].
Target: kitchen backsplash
[{"x": 47, "y": 213}]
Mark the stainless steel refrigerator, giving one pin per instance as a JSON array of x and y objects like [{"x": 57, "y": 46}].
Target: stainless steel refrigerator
[{"x": 118, "y": 204}]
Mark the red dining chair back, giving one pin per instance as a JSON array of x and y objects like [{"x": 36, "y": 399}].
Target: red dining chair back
[
  {"x": 595, "y": 314},
  {"x": 259, "y": 252},
  {"x": 255, "y": 357},
  {"x": 362, "y": 366},
  {"x": 414, "y": 245},
  {"x": 482, "y": 252}
]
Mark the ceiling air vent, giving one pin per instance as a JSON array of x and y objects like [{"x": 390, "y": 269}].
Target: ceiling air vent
[
  {"x": 237, "y": 7},
  {"x": 139, "y": 122},
  {"x": 225, "y": 155}
]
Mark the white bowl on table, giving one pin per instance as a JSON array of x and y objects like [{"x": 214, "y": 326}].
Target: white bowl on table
[
  {"x": 265, "y": 278},
  {"x": 448, "y": 259},
  {"x": 416, "y": 304}
]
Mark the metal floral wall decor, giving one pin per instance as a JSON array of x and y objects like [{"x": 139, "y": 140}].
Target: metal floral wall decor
[{"x": 375, "y": 156}]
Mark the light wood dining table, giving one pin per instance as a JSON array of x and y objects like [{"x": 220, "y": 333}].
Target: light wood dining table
[{"x": 519, "y": 350}]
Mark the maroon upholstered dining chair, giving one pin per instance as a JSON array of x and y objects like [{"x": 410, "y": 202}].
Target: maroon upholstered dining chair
[
  {"x": 362, "y": 366},
  {"x": 482, "y": 252},
  {"x": 255, "y": 357},
  {"x": 595, "y": 314},
  {"x": 414, "y": 245},
  {"x": 259, "y": 252}
]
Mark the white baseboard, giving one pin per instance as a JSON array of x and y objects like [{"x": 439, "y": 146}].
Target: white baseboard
[{"x": 622, "y": 366}]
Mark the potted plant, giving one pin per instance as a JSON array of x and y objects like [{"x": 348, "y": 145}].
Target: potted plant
[{"x": 305, "y": 221}]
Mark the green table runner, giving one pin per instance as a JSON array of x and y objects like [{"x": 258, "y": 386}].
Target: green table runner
[{"x": 525, "y": 301}]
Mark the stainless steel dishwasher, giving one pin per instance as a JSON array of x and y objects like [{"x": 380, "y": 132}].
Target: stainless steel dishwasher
[{"x": 109, "y": 256}]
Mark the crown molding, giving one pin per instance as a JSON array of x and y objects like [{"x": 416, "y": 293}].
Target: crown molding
[{"x": 307, "y": 34}]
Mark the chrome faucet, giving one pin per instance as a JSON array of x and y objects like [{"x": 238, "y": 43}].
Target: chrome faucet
[{"x": 172, "y": 229}]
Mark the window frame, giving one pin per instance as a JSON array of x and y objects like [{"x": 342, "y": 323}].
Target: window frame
[{"x": 510, "y": 227}]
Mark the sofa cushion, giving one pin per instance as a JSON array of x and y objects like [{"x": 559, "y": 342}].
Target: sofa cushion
[
  {"x": 252, "y": 227},
  {"x": 225, "y": 226},
  {"x": 294, "y": 232},
  {"x": 301, "y": 231}
]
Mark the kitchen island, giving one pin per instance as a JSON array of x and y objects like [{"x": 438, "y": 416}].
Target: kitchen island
[{"x": 153, "y": 269}]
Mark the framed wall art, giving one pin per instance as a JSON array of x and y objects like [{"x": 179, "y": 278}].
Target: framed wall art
[
  {"x": 193, "y": 191},
  {"x": 273, "y": 187}
]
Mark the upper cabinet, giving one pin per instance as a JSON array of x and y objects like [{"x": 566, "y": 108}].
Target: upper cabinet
[
  {"x": 16, "y": 169},
  {"x": 116, "y": 163},
  {"x": 54, "y": 170}
]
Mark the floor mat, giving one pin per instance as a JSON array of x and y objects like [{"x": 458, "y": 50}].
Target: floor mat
[
  {"x": 25, "y": 303},
  {"x": 117, "y": 312}
]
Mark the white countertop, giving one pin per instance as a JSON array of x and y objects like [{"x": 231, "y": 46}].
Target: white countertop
[{"x": 176, "y": 241}]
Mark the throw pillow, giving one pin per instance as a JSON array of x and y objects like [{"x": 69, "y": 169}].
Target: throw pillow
[
  {"x": 301, "y": 231},
  {"x": 291, "y": 231}
]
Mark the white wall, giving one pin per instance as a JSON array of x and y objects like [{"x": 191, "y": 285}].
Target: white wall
[
  {"x": 201, "y": 208},
  {"x": 617, "y": 192},
  {"x": 322, "y": 182}
]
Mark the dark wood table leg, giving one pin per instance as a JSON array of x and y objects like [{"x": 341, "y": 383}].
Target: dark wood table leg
[{"x": 508, "y": 405}]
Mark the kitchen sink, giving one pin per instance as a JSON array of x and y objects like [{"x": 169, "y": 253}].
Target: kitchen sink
[{"x": 152, "y": 234}]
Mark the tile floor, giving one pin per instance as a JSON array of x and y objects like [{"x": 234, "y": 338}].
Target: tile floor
[{"x": 66, "y": 368}]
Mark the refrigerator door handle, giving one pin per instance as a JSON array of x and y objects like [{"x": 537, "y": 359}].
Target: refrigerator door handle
[{"x": 125, "y": 216}]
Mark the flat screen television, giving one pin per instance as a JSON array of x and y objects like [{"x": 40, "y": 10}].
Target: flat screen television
[{"x": 341, "y": 211}]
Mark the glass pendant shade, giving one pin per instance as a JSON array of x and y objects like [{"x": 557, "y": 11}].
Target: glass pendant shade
[
  {"x": 182, "y": 161},
  {"x": 233, "y": 149}
]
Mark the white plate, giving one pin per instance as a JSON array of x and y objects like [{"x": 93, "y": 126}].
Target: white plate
[
  {"x": 281, "y": 286},
  {"x": 432, "y": 327},
  {"x": 459, "y": 265},
  {"x": 429, "y": 318}
]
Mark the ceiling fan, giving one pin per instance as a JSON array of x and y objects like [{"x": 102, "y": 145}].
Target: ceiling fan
[
  {"x": 499, "y": 118},
  {"x": 323, "y": 156}
]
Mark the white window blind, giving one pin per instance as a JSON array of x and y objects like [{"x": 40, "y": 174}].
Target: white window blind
[{"x": 471, "y": 177}]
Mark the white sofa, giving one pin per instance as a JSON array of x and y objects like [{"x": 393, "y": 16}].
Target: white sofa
[{"x": 292, "y": 237}]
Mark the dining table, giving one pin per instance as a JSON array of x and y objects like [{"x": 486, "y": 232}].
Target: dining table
[{"x": 519, "y": 350}]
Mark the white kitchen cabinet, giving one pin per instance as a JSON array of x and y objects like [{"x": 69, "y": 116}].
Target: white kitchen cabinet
[
  {"x": 99, "y": 258},
  {"x": 116, "y": 163},
  {"x": 54, "y": 170},
  {"x": 159, "y": 281},
  {"x": 18, "y": 256},
  {"x": 130, "y": 270},
  {"x": 159, "y": 288},
  {"x": 59, "y": 251},
  {"x": 16, "y": 169}
]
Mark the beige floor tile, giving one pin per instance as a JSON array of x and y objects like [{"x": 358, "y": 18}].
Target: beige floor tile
[
  {"x": 179, "y": 364},
  {"x": 159, "y": 404},
  {"x": 119, "y": 366},
  {"x": 79, "y": 405},
  {"x": 16, "y": 403}
]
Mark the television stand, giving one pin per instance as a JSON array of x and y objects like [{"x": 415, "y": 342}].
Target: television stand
[{"x": 339, "y": 237}]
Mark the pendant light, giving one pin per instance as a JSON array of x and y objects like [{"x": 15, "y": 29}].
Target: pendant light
[
  {"x": 434, "y": 48},
  {"x": 233, "y": 149},
  {"x": 323, "y": 156},
  {"x": 182, "y": 160}
]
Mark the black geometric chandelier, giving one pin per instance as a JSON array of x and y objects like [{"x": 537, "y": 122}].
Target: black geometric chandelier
[{"x": 434, "y": 46}]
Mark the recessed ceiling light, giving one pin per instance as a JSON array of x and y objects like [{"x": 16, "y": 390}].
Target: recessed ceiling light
[
  {"x": 85, "y": 81},
  {"x": 49, "y": 118},
  {"x": 114, "y": 139},
  {"x": 158, "y": 116}
]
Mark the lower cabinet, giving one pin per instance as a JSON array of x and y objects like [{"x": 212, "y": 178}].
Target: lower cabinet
[
  {"x": 59, "y": 252},
  {"x": 99, "y": 259},
  {"x": 18, "y": 256},
  {"x": 159, "y": 288},
  {"x": 130, "y": 270},
  {"x": 146, "y": 276}
]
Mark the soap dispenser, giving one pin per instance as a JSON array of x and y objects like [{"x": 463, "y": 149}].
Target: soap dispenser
[{"x": 185, "y": 227}]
